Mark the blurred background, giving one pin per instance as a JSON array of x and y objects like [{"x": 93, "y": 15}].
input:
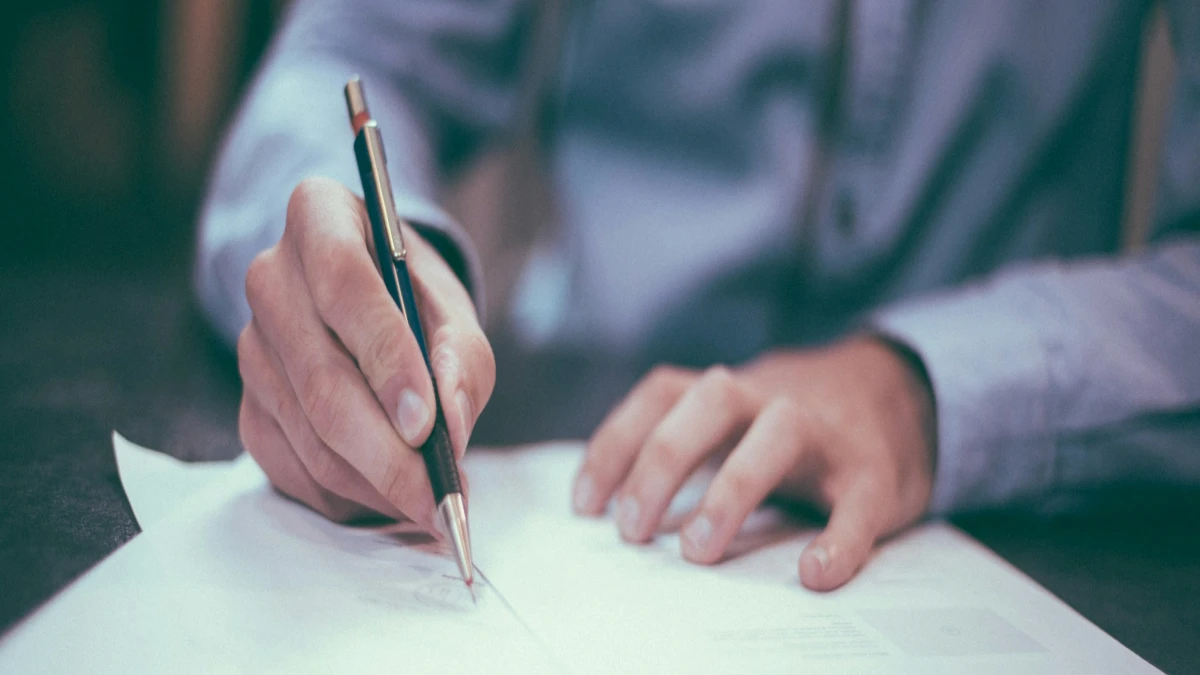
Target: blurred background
[
  {"x": 113, "y": 109},
  {"x": 109, "y": 114},
  {"x": 112, "y": 113}
]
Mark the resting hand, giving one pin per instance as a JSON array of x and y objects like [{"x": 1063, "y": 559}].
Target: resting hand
[
  {"x": 336, "y": 395},
  {"x": 848, "y": 428}
]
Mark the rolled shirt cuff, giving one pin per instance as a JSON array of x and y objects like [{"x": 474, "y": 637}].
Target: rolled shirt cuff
[
  {"x": 990, "y": 370},
  {"x": 220, "y": 272}
]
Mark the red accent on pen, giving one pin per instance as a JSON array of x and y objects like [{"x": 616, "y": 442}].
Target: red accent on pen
[{"x": 359, "y": 121}]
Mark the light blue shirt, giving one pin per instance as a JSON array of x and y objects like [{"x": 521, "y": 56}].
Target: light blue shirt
[{"x": 734, "y": 175}]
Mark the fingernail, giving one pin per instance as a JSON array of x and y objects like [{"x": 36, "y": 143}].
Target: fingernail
[
  {"x": 627, "y": 516},
  {"x": 465, "y": 414},
  {"x": 821, "y": 556},
  {"x": 584, "y": 488},
  {"x": 698, "y": 532},
  {"x": 411, "y": 415}
]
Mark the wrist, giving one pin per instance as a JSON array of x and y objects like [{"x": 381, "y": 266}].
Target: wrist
[{"x": 917, "y": 384}]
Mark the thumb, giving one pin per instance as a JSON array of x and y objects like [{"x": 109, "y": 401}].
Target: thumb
[{"x": 855, "y": 523}]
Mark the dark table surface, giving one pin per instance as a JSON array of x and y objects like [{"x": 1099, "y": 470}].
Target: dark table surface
[{"x": 83, "y": 353}]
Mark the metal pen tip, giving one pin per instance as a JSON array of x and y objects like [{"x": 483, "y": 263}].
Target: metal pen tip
[{"x": 454, "y": 518}]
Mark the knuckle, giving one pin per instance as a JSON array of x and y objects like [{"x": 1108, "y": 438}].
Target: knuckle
[
  {"x": 324, "y": 400},
  {"x": 246, "y": 354},
  {"x": 661, "y": 382},
  {"x": 445, "y": 363},
  {"x": 720, "y": 385},
  {"x": 788, "y": 412},
  {"x": 320, "y": 465},
  {"x": 339, "y": 263},
  {"x": 258, "y": 279},
  {"x": 383, "y": 352},
  {"x": 394, "y": 485},
  {"x": 465, "y": 354},
  {"x": 483, "y": 361},
  {"x": 446, "y": 334},
  {"x": 333, "y": 477},
  {"x": 243, "y": 343},
  {"x": 719, "y": 374},
  {"x": 251, "y": 363},
  {"x": 666, "y": 451},
  {"x": 601, "y": 450},
  {"x": 663, "y": 375},
  {"x": 476, "y": 344},
  {"x": 735, "y": 487},
  {"x": 246, "y": 432},
  {"x": 307, "y": 193}
]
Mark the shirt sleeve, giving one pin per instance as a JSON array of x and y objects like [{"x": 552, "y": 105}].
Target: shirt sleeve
[
  {"x": 441, "y": 78},
  {"x": 1056, "y": 379}
]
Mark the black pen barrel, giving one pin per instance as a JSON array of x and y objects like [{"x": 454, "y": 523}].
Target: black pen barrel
[
  {"x": 392, "y": 257},
  {"x": 437, "y": 449}
]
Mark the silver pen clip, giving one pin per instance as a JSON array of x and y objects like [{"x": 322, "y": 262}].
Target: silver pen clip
[{"x": 363, "y": 123}]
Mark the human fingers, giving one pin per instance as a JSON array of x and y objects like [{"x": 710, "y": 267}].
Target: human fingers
[
  {"x": 340, "y": 406},
  {"x": 266, "y": 443},
  {"x": 265, "y": 382},
  {"x": 712, "y": 412},
  {"x": 465, "y": 369},
  {"x": 462, "y": 358},
  {"x": 327, "y": 232},
  {"x": 772, "y": 447},
  {"x": 859, "y": 517},
  {"x": 612, "y": 449},
  {"x": 336, "y": 399}
]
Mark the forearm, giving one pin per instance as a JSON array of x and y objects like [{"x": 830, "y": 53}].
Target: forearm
[
  {"x": 441, "y": 79},
  {"x": 293, "y": 126}
]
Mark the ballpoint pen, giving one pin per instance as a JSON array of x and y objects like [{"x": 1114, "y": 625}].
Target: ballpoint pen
[{"x": 393, "y": 263}]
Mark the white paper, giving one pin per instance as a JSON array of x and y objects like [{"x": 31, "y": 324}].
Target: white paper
[
  {"x": 931, "y": 601},
  {"x": 240, "y": 579},
  {"x": 156, "y": 484}
]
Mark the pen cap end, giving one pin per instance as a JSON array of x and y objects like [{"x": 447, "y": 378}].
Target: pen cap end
[{"x": 356, "y": 104}]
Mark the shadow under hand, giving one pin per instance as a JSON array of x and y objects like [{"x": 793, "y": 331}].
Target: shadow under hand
[
  {"x": 773, "y": 523},
  {"x": 773, "y": 535}
]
